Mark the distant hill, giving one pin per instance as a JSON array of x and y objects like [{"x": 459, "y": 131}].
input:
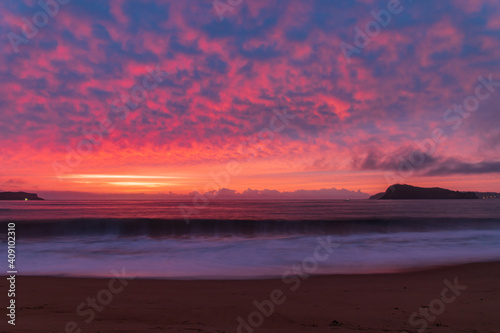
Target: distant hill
[
  {"x": 18, "y": 196},
  {"x": 488, "y": 195},
  {"x": 377, "y": 196},
  {"x": 408, "y": 192}
]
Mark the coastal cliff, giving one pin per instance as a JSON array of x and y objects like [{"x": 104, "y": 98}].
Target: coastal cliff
[
  {"x": 18, "y": 196},
  {"x": 408, "y": 192}
]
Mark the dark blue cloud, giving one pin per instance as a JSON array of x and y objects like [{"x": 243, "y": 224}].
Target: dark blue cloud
[
  {"x": 217, "y": 64},
  {"x": 98, "y": 10},
  {"x": 296, "y": 34},
  {"x": 68, "y": 37},
  {"x": 99, "y": 31},
  {"x": 146, "y": 15},
  {"x": 456, "y": 167},
  {"x": 175, "y": 45},
  {"x": 99, "y": 93},
  {"x": 250, "y": 28},
  {"x": 262, "y": 52},
  {"x": 48, "y": 45}
]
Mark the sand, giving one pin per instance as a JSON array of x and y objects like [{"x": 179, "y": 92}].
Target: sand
[{"x": 338, "y": 303}]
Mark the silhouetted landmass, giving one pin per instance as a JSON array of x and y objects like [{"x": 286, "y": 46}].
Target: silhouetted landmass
[
  {"x": 18, "y": 196},
  {"x": 377, "y": 196},
  {"x": 221, "y": 194},
  {"x": 488, "y": 195},
  {"x": 408, "y": 192}
]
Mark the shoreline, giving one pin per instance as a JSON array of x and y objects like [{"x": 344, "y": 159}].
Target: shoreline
[
  {"x": 407, "y": 270},
  {"x": 325, "y": 303}
]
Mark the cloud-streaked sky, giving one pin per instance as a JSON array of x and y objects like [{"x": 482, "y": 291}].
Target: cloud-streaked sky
[{"x": 267, "y": 89}]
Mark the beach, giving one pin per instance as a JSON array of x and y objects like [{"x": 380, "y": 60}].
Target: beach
[
  {"x": 231, "y": 166},
  {"x": 333, "y": 303}
]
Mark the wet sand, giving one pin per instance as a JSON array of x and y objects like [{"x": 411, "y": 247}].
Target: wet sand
[{"x": 337, "y": 303}]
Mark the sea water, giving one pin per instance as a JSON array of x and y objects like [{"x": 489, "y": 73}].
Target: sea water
[{"x": 248, "y": 239}]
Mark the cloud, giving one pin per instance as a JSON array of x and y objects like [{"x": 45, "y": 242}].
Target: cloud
[
  {"x": 16, "y": 181},
  {"x": 431, "y": 165},
  {"x": 454, "y": 167},
  {"x": 225, "y": 78},
  {"x": 376, "y": 160}
]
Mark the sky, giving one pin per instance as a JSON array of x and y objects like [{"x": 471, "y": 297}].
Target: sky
[{"x": 157, "y": 97}]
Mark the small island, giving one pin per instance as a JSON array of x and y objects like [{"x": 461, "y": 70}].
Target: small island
[
  {"x": 409, "y": 192},
  {"x": 19, "y": 196}
]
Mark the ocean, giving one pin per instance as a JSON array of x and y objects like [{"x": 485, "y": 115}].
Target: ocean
[{"x": 248, "y": 239}]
